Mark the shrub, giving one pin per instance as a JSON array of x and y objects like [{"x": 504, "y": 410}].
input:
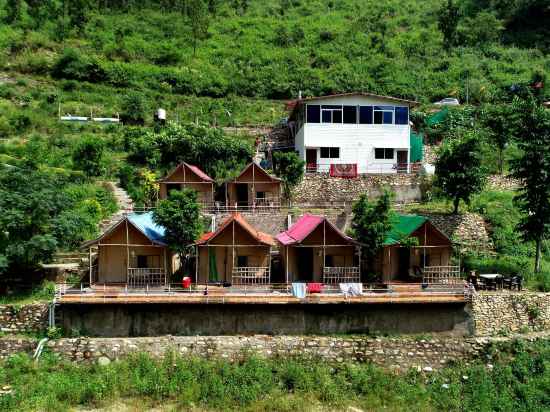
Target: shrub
[
  {"x": 88, "y": 155},
  {"x": 73, "y": 65},
  {"x": 133, "y": 109}
]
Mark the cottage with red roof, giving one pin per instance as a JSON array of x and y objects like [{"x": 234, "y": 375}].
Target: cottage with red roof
[
  {"x": 315, "y": 250},
  {"x": 188, "y": 176},
  {"x": 253, "y": 188},
  {"x": 235, "y": 253}
]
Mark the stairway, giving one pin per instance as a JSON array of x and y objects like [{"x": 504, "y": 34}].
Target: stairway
[{"x": 125, "y": 205}]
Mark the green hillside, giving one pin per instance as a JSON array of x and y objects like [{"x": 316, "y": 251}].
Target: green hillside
[{"x": 224, "y": 63}]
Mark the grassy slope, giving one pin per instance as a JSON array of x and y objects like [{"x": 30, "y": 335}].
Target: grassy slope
[{"x": 518, "y": 381}]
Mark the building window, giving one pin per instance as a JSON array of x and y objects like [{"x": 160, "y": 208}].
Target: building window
[
  {"x": 329, "y": 261},
  {"x": 350, "y": 114},
  {"x": 331, "y": 114},
  {"x": 402, "y": 115},
  {"x": 330, "y": 152},
  {"x": 365, "y": 115},
  {"x": 383, "y": 114},
  {"x": 313, "y": 113},
  {"x": 383, "y": 154},
  {"x": 260, "y": 195},
  {"x": 242, "y": 261}
]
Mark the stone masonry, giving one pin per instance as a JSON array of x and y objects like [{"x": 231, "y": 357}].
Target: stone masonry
[
  {"x": 399, "y": 354},
  {"x": 26, "y": 318},
  {"x": 503, "y": 313}
]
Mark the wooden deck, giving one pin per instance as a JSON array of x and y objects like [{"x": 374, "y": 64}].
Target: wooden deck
[{"x": 400, "y": 294}]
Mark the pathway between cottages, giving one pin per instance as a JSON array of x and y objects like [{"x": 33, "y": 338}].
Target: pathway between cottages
[{"x": 124, "y": 202}]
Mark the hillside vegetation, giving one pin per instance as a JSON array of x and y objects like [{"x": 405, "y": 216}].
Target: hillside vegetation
[{"x": 223, "y": 63}]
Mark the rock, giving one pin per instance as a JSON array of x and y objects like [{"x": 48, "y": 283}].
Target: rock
[
  {"x": 103, "y": 361},
  {"x": 427, "y": 369}
]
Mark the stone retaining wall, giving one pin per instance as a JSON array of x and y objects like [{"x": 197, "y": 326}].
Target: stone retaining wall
[
  {"x": 395, "y": 353},
  {"x": 26, "y": 318},
  {"x": 503, "y": 313},
  {"x": 321, "y": 189}
]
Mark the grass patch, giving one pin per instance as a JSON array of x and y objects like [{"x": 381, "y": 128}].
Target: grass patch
[
  {"x": 518, "y": 381},
  {"x": 39, "y": 294}
]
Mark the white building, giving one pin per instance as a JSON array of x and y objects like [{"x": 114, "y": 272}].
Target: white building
[{"x": 361, "y": 132}]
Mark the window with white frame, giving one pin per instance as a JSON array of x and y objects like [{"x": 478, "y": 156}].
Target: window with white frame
[
  {"x": 383, "y": 154},
  {"x": 331, "y": 113},
  {"x": 330, "y": 153}
]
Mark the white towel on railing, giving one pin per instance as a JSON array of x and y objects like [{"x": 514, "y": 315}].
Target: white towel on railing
[
  {"x": 299, "y": 290},
  {"x": 351, "y": 289}
]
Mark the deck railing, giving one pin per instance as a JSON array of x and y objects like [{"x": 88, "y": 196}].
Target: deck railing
[
  {"x": 442, "y": 275},
  {"x": 144, "y": 277},
  {"x": 374, "y": 168},
  {"x": 250, "y": 275},
  {"x": 334, "y": 275}
]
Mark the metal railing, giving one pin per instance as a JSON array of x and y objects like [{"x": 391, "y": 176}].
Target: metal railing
[
  {"x": 250, "y": 276},
  {"x": 442, "y": 275},
  {"x": 333, "y": 275},
  {"x": 144, "y": 277}
]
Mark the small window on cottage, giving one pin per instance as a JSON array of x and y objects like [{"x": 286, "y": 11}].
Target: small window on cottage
[
  {"x": 260, "y": 195},
  {"x": 242, "y": 261},
  {"x": 350, "y": 114},
  {"x": 330, "y": 153},
  {"x": 313, "y": 113},
  {"x": 329, "y": 261},
  {"x": 142, "y": 261},
  {"x": 383, "y": 153}
]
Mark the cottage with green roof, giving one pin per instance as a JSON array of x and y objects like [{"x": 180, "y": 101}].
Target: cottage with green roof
[{"x": 412, "y": 246}]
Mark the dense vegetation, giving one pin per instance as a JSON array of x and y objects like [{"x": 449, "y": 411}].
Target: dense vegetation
[
  {"x": 518, "y": 381},
  {"x": 229, "y": 63}
]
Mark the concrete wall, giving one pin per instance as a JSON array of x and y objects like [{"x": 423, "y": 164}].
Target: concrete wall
[{"x": 236, "y": 319}]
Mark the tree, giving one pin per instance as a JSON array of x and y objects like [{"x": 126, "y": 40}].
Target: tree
[
  {"x": 88, "y": 156},
  {"x": 448, "y": 19},
  {"x": 180, "y": 216},
  {"x": 199, "y": 19},
  {"x": 370, "y": 223},
  {"x": 532, "y": 169},
  {"x": 458, "y": 170},
  {"x": 500, "y": 123},
  {"x": 290, "y": 168},
  {"x": 14, "y": 11},
  {"x": 133, "y": 109}
]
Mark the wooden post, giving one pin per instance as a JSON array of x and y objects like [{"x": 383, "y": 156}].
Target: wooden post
[
  {"x": 424, "y": 248},
  {"x": 90, "y": 263},
  {"x": 232, "y": 250},
  {"x": 253, "y": 186},
  {"x": 197, "y": 264},
  {"x": 127, "y": 252},
  {"x": 360, "y": 278},
  {"x": 286, "y": 250},
  {"x": 165, "y": 266},
  {"x": 324, "y": 247}
]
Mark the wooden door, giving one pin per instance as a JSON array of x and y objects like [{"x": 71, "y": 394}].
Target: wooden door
[{"x": 402, "y": 161}]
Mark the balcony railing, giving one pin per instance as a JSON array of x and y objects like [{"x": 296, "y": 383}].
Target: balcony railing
[
  {"x": 146, "y": 277},
  {"x": 442, "y": 275},
  {"x": 250, "y": 275},
  {"x": 334, "y": 275},
  {"x": 375, "y": 168}
]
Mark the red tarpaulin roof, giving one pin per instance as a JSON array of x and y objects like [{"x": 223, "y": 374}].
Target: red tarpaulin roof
[
  {"x": 239, "y": 219},
  {"x": 194, "y": 169},
  {"x": 300, "y": 230}
]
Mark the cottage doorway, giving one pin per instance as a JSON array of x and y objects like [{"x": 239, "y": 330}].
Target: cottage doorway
[
  {"x": 403, "y": 263},
  {"x": 305, "y": 263},
  {"x": 242, "y": 194},
  {"x": 311, "y": 160},
  {"x": 402, "y": 160}
]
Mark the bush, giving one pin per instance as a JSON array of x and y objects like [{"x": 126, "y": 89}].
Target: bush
[
  {"x": 133, "y": 109},
  {"x": 72, "y": 65},
  {"x": 88, "y": 155}
]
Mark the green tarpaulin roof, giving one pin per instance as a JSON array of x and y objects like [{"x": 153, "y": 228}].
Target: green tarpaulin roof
[
  {"x": 402, "y": 227},
  {"x": 437, "y": 117}
]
